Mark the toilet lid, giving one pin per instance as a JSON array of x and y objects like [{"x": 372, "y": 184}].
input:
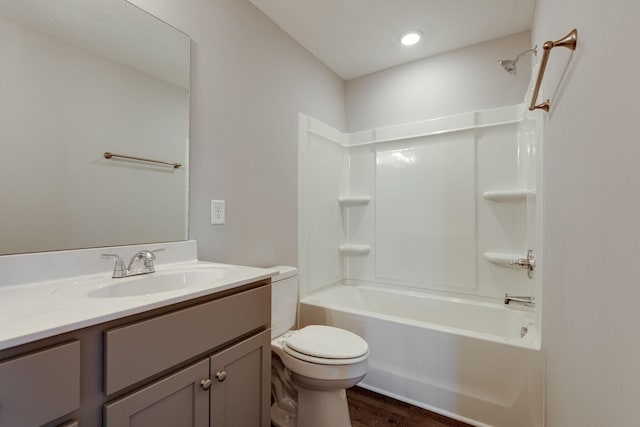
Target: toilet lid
[{"x": 327, "y": 342}]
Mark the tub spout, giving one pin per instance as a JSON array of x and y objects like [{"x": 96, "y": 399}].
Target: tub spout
[{"x": 526, "y": 301}]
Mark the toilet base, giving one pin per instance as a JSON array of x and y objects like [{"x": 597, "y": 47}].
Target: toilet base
[
  {"x": 318, "y": 408},
  {"x": 281, "y": 418}
]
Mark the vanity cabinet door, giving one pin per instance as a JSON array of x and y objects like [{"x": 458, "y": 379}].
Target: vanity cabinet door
[
  {"x": 241, "y": 390},
  {"x": 175, "y": 401},
  {"x": 40, "y": 387}
]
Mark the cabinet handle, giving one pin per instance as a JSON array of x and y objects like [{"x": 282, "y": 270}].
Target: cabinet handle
[
  {"x": 206, "y": 384},
  {"x": 221, "y": 376}
]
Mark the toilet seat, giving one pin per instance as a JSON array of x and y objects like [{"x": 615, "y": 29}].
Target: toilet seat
[{"x": 326, "y": 345}]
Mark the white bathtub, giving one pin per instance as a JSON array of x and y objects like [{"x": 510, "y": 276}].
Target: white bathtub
[{"x": 468, "y": 360}]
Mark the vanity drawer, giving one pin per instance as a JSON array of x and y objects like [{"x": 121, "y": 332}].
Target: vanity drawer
[
  {"x": 41, "y": 386},
  {"x": 140, "y": 350}
]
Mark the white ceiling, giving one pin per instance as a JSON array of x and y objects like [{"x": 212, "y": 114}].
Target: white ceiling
[{"x": 358, "y": 37}]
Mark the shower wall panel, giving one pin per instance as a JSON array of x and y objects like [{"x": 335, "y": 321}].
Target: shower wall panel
[
  {"x": 327, "y": 169},
  {"x": 360, "y": 220},
  {"x": 436, "y": 201},
  {"x": 502, "y": 225},
  {"x": 425, "y": 229}
]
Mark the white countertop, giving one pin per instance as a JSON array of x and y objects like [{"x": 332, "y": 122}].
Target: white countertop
[{"x": 32, "y": 311}]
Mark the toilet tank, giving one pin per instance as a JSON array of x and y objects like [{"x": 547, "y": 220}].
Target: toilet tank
[{"x": 284, "y": 299}]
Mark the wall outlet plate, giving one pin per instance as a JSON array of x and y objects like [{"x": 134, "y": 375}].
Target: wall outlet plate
[{"x": 217, "y": 212}]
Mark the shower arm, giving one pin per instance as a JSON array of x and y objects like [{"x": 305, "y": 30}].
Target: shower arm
[
  {"x": 534, "y": 50},
  {"x": 569, "y": 41}
]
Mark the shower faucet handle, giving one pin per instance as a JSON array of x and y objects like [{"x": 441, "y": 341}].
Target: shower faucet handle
[{"x": 529, "y": 262}]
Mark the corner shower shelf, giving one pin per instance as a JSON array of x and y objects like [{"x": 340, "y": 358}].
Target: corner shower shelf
[
  {"x": 507, "y": 195},
  {"x": 503, "y": 258},
  {"x": 350, "y": 249},
  {"x": 349, "y": 201}
]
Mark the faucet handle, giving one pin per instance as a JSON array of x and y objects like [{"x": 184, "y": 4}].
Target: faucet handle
[
  {"x": 529, "y": 262},
  {"x": 146, "y": 253},
  {"x": 119, "y": 269},
  {"x": 157, "y": 250},
  {"x": 153, "y": 255},
  {"x": 116, "y": 256}
]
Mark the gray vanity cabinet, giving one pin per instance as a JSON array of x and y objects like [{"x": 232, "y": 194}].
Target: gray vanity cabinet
[
  {"x": 233, "y": 380},
  {"x": 203, "y": 362},
  {"x": 229, "y": 389},
  {"x": 40, "y": 386},
  {"x": 175, "y": 401},
  {"x": 241, "y": 384}
]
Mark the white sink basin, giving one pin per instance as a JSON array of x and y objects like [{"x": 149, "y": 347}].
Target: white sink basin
[
  {"x": 147, "y": 284},
  {"x": 153, "y": 284}
]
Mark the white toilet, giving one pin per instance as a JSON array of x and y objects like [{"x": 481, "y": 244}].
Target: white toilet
[{"x": 311, "y": 367}]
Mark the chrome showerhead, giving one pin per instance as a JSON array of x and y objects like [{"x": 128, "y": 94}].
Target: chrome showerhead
[{"x": 509, "y": 65}]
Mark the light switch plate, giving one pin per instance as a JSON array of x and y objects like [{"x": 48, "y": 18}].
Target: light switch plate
[{"x": 217, "y": 212}]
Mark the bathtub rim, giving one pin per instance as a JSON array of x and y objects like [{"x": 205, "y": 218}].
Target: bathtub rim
[{"x": 533, "y": 342}]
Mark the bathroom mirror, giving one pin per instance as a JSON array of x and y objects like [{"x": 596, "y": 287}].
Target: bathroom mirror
[{"x": 78, "y": 79}]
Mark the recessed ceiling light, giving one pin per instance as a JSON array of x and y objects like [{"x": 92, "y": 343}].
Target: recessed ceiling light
[{"x": 410, "y": 38}]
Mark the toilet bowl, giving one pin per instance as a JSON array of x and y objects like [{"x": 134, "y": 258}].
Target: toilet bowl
[{"x": 311, "y": 367}]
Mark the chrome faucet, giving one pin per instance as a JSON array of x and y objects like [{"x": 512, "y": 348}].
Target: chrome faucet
[
  {"x": 526, "y": 301},
  {"x": 141, "y": 263}
]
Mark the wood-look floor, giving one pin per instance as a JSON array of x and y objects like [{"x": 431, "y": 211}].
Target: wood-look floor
[{"x": 369, "y": 409}]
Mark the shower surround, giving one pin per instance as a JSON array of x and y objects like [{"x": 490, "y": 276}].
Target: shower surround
[{"x": 406, "y": 238}]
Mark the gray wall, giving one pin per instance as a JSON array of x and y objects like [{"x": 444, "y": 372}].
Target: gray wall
[
  {"x": 591, "y": 211},
  {"x": 463, "y": 80},
  {"x": 249, "y": 81}
]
